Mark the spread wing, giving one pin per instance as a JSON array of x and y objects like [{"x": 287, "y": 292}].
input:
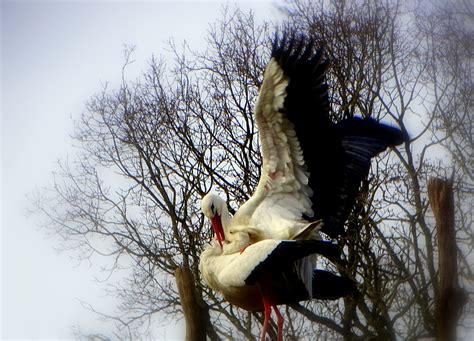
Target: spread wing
[
  {"x": 312, "y": 168},
  {"x": 293, "y": 95}
]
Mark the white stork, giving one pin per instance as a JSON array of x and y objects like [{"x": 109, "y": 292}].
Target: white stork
[{"x": 311, "y": 173}]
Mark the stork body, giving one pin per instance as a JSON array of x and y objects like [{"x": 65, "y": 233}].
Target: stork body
[
  {"x": 312, "y": 169},
  {"x": 273, "y": 272}
]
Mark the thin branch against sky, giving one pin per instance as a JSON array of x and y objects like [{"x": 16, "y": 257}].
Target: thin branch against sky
[{"x": 55, "y": 55}]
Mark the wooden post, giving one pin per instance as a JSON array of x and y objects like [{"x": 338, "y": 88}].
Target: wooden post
[
  {"x": 195, "y": 324},
  {"x": 450, "y": 299}
]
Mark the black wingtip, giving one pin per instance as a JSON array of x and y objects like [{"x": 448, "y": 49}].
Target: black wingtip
[
  {"x": 328, "y": 286},
  {"x": 292, "y": 46},
  {"x": 361, "y": 139},
  {"x": 388, "y": 135},
  {"x": 306, "y": 68}
]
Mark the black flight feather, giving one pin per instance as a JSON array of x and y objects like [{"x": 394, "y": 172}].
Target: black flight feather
[
  {"x": 337, "y": 155},
  {"x": 328, "y": 286}
]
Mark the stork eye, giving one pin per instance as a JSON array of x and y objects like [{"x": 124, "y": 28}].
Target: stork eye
[{"x": 213, "y": 209}]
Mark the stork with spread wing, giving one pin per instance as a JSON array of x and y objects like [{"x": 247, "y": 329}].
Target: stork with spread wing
[{"x": 311, "y": 173}]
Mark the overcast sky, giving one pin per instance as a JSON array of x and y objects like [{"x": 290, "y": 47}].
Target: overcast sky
[{"x": 54, "y": 56}]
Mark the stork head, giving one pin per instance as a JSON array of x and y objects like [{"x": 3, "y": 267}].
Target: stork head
[{"x": 213, "y": 207}]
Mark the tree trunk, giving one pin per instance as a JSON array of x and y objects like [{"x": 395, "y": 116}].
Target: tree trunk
[
  {"x": 450, "y": 299},
  {"x": 195, "y": 323}
]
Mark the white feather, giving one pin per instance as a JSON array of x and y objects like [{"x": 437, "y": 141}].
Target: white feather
[
  {"x": 304, "y": 268},
  {"x": 221, "y": 271}
]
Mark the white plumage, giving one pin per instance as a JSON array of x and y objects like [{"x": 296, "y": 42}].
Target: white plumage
[{"x": 221, "y": 269}]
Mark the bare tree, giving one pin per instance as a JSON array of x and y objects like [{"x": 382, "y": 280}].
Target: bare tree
[
  {"x": 149, "y": 150},
  {"x": 390, "y": 63}
]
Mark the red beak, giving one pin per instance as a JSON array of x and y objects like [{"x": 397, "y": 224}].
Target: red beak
[{"x": 218, "y": 229}]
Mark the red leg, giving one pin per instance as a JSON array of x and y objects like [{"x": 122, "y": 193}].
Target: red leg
[
  {"x": 280, "y": 320},
  {"x": 267, "y": 306}
]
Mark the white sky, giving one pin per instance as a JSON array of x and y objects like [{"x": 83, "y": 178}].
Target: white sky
[{"x": 54, "y": 56}]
